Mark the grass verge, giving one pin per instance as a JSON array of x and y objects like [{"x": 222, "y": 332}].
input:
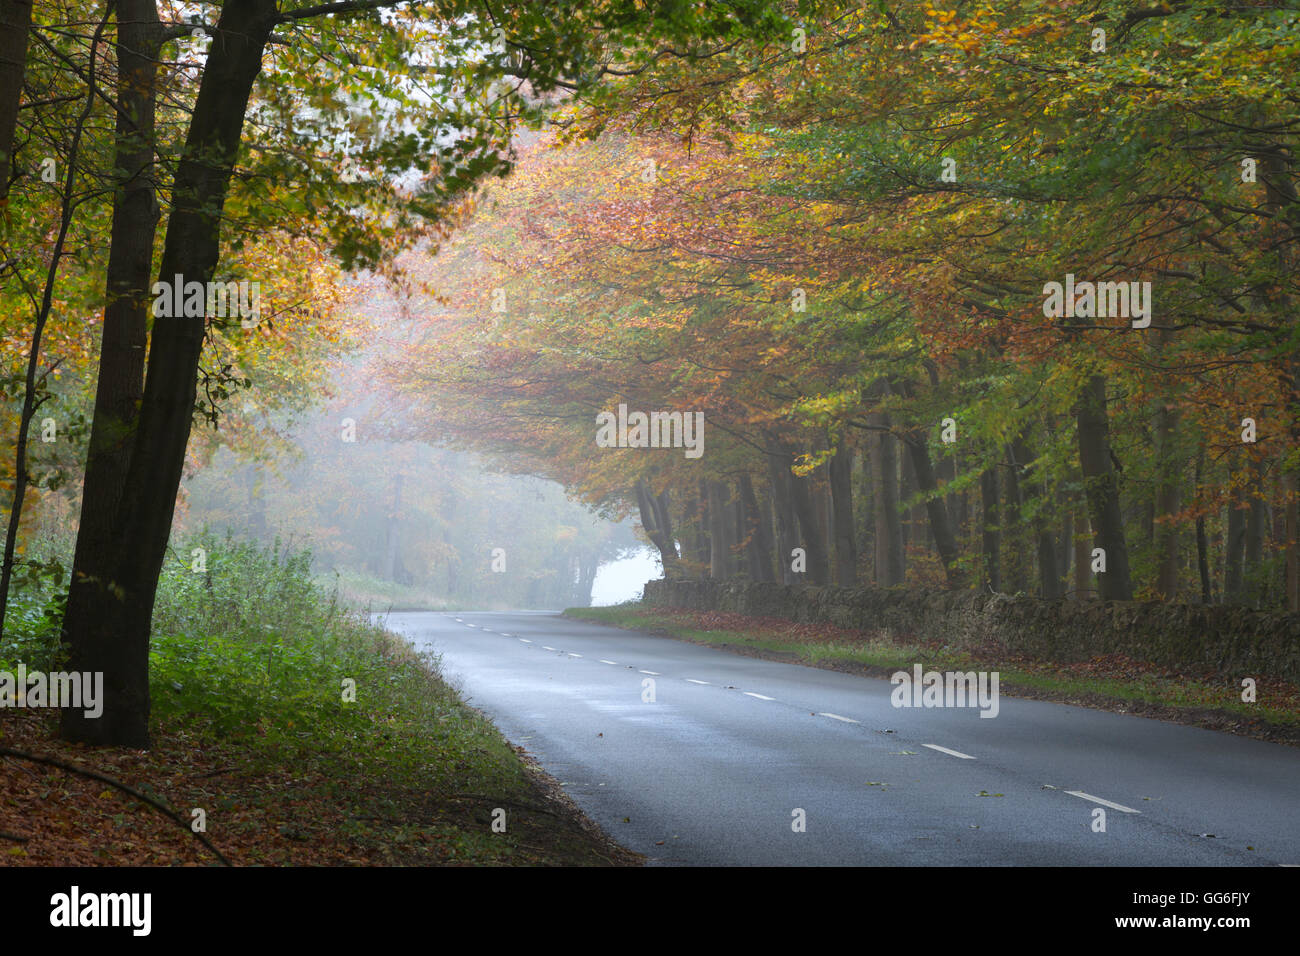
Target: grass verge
[
  {"x": 303, "y": 734},
  {"x": 1113, "y": 683}
]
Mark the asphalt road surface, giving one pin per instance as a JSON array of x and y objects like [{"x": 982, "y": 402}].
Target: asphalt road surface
[{"x": 713, "y": 770}]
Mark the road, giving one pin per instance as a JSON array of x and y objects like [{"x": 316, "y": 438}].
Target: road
[{"x": 714, "y": 768}]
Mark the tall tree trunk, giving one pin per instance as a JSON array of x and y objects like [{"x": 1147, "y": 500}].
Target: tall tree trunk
[
  {"x": 1167, "y": 505},
  {"x": 911, "y": 533},
  {"x": 1017, "y": 556},
  {"x": 889, "y": 566},
  {"x": 1083, "y": 588},
  {"x": 719, "y": 539},
  {"x": 1065, "y": 543},
  {"x": 990, "y": 540},
  {"x": 111, "y": 632},
  {"x": 778, "y": 470},
  {"x": 1280, "y": 202},
  {"x": 653, "y": 520},
  {"x": 1202, "y": 541},
  {"x": 936, "y": 509},
  {"x": 760, "y": 534},
  {"x": 739, "y": 538},
  {"x": 15, "y": 24},
  {"x": 695, "y": 535},
  {"x": 1235, "y": 549},
  {"x": 1101, "y": 485},
  {"x": 120, "y": 384},
  {"x": 846, "y": 550},
  {"x": 810, "y": 528},
  {"x": 1030, "y": 490},
  {"x": 1255, "y": 587}
]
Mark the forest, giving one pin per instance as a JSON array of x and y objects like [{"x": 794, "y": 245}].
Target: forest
[
  {"x": 964, "y": 295},
  {"x": 987, "y": 296}
]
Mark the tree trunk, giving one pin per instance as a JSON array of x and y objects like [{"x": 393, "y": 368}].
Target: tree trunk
[
  {"x": 1235, "y": 550},
  {"x": 1017, "y": 557},
  {"x": 719, "y": 540},
  {"x": 1101, "y": 485},
  {"x": 1030, "y": 490},
  {"x": 778, "y": 470},
  {"x": 1202, "y": 540},
  {"x": 760, "y": 534},
  {"x": 110, "y": 633},
  {"x": 695, "y": 536},
  {"x": 15, "y": 24},
  {"x": 889, "y": 566},
  {"x": 120, "y": 384},
  {"x": 653, "y": 520},
  {"x": 945, "y": 542},
  {"x": 810, "y": 529},
  {"x": 1167, "y": 506},
  {"x": 739, "y": 560},
  {"x": 1065, "y": 544},
  {"x": 1254, "y": 585},
  {"x": 990, "y": 535},
  {"x": 846, "y": 551},
  {"x": 1083, "y": 588}
]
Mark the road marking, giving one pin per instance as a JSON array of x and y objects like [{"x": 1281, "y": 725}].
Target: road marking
[
  {"x": 571, "y": 654},
  {"x": 690, "y": 680},
  {"x": 749, "y": 693},
  {"x": 471, "y": 625},
  {"x": 651, "y": 673},
  {"x": 504, "y": 634},
  {"x": 1105, "y": 803},
  {"x": 459, "y": 621},
  {"x": 524, "y": 639},
  {"x": 603, "y": 661},
  {"x": 847, "y": 720},
  {"x": 945, "y": 750},
  {"x": 488, "y": 630},
  {"x": 545, "y": 648}
]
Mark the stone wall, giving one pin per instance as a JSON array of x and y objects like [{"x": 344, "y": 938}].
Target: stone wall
[{"x": 1231, "y": 642}]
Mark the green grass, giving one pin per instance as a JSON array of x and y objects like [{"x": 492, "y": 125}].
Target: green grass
[
  {"x": 1043, "y": 678},
  {"x": 255, "y": 665},
  {"x": 254, "y": 652}
]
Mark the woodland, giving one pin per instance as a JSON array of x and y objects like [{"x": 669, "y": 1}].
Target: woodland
[{"x": 829, "y": 229}]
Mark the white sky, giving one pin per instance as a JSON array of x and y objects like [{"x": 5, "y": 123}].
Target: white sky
[{"x": 621, "y": 581}]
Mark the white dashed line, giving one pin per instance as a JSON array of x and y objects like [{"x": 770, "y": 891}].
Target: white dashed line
[
  {"x": 847, "y": 720},
  {"x": 504, "y": 634},
  {"x": 603, "y": 661},
  {"x": 459, "y": 621},
  {"x": 749, "y": 693},
  {"x": 545, "y": 648},
  {"x": 571, "y": 654},
  {"x": 690, "y": 680},
  {"x": 651, "y": 673},
  {"x": 1105, "y": 803},
  {"x": 945, "y": 750},
  {"x": 523, "y": 640}
]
